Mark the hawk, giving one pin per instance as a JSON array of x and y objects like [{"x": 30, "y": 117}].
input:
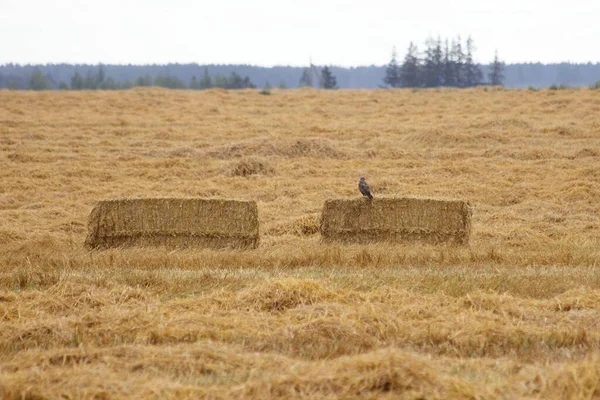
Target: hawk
[{"x": 364, "y": 188}]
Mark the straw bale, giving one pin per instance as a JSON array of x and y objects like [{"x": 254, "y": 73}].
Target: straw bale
[
  {"x": 396, "y": 220},
  {"x": 173, "y": 222}
]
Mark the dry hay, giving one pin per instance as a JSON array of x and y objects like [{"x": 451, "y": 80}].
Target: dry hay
[
  {"x": 396, "y": 220},
  {"x": 586, "y": 152},
  {"x": 251, "y": 166},
  {"x": 173, "y": 222},
  {"x": 514, "y": 315},
  {"x": 306, "y": 225},
  {"x": 316, "y": 147}
]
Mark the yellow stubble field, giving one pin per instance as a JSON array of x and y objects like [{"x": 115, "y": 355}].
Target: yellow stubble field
[{"x": 515, "y": 314}]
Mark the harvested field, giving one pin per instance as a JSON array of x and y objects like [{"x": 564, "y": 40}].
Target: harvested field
[
  {"x": 173, "y": 223},
  {"x": 396, "y": 220},
  {"x": 513, "y": 314}
]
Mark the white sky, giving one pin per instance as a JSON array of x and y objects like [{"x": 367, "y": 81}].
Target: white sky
[{"x": 285, "y": 32}]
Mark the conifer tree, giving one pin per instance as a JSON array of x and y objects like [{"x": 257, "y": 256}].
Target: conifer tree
[
  {"x": 108, "y": 84},
  {"x": 433, "y": 68},
  {"x": 206, "y": 82},
  {"x": 392, "y": 72},
  {"x": 328, "y": 80},
  {"x": 448, "y": 66},
  {"x": 100, "y": 76},
  {"x": 90, "y": 81},
  {"x": 306, "y": 78},
  {"x": 438, "y": 57},
  {"x": 409, "y": 72},
  {"x": 145, "y": 80},
  {"x": 76, "y": 81},
  {"x": 458, "y": 63},
  {"x": 473, "y": 75},
  {"x": 247, "y": 84},
  {"x": 496, "y": 74},
  {"x": 38, "y": 81}
]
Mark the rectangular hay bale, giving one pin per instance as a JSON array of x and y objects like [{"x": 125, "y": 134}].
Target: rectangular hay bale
[
  {"x": 396, "y": 220},
  {"x": 174, "y": 223}
]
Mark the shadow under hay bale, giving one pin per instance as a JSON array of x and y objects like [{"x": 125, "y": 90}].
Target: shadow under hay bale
[
  {"x": 396, "y": 220},
  {"x": 174, "y": 223}
]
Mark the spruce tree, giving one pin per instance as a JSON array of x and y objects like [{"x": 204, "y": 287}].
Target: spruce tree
[
  {"x": 473, "y": 75},
  {"x": 438, "y": 59},
  {"x": 221, "y": 81},
  {"x": 100, "y": 76},
  {"x": 168, "y": 81},
  {"x": 496, "y": 74},
  {"x": 409, "y": 72},
  {"x": 90, "y": 81},
  {"x": 448, "y": 66},
  {"x": 306, "y": 78},
  {"x": 392, "y": 72},
  {"x": 76, "y": 81},
  {"x": 458, "y": 63},
  {"x": 328, "y": 80},
  {"x": 145, "y": 80},
  {"x": 108, "y": 84},
  {"x": 38, "y": 81},
  {"x": 433, "y": 62},
  {"x": 247, "y": 84},
  {"x": 206, "y": 82},
  {"x": 235, "y": 81}
]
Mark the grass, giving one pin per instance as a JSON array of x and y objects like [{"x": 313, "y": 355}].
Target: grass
[{"x": 513, "y": 315}]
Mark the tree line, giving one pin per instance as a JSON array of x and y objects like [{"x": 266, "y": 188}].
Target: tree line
[
  {"x": 99, "y": 81},
  {"x": 60, "y": 76},
  {"x": 441, "y": 64}
]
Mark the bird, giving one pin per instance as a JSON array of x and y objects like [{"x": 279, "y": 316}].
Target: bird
[{"x": 364, "y": 188}]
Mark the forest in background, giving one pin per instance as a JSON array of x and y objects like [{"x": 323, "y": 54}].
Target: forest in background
[{"x": 364, "y": 77}]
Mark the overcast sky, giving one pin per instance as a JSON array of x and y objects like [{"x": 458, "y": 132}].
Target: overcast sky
[{"x": 285, "y": 32}]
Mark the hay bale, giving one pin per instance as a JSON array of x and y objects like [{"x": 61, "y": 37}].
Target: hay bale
[
  {"x": 396, "y": 220},
  {"x": 172, "y": 222}
]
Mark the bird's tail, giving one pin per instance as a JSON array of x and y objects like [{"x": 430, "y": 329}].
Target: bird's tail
[{"x": 370, "y": 196}]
